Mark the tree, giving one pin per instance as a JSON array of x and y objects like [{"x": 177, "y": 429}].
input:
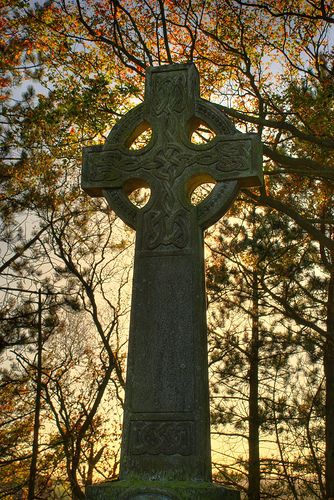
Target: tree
[{"x": 260, "y": 353}]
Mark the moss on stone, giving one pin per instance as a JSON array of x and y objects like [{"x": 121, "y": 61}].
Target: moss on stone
[{"x": 178, "y": 490}]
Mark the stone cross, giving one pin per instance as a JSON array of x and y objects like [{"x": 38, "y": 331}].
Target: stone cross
[{"x": 166, "y": 429}]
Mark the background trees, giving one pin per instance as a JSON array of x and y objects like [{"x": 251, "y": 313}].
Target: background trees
[{"x": 70, "y": 69}]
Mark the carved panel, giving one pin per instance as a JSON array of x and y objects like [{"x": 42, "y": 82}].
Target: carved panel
[
  {"x": 230, "y": 158},
  {"x": 162, "y": 228},
  {"x": 169, "y": 94},
  {"x": 235, "y": 156},
  {"x": 166, "y": 438}
]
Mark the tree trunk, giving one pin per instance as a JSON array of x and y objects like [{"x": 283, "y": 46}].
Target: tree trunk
[
  {"x": 33, "y": 463},
  {"x": 253, "y": 436},
  {"x": 329, "y": 376},
  {"x": 77, "y": 493}
]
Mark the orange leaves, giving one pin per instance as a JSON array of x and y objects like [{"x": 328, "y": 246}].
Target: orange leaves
[{"x": 4, "y": 82}]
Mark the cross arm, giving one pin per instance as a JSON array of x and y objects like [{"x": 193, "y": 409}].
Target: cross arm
[
  {"x": 106, "y": 168},
  {"x": 231, "y": 157}
]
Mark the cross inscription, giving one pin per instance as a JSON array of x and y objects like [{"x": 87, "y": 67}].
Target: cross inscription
[{"x": 166, "y": 416}]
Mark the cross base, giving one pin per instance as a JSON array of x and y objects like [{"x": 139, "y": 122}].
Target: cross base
[{"x": 159, "y": 490}]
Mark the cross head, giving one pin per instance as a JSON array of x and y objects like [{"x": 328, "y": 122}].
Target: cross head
[{"x": 171, "y": 165}]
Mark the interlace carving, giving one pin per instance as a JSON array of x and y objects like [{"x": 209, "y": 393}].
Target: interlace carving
[
  {"x": 167, "y": 438},
  {"x": 172, "y": 107}
]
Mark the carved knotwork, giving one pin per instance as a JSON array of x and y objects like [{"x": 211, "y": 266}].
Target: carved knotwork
[
  {"x": 172, "y": 108},
  {"x": 166, "y": 437}
]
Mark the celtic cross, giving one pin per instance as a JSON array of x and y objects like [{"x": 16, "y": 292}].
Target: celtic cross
[{"x": 166, "y": 417}]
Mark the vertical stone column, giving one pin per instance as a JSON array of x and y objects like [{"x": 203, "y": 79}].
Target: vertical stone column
[{"x": 166, "y": 418}]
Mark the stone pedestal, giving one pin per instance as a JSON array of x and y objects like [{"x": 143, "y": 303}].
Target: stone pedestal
[{"x": 160, "y": 490}]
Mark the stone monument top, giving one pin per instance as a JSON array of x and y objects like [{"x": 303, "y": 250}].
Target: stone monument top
[{"x": 170, "y": 164}]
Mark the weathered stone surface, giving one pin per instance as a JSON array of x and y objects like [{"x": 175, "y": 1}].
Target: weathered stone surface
[
  {"x": 166, "y": 431},
  {"x": 141, "y": 490}
]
